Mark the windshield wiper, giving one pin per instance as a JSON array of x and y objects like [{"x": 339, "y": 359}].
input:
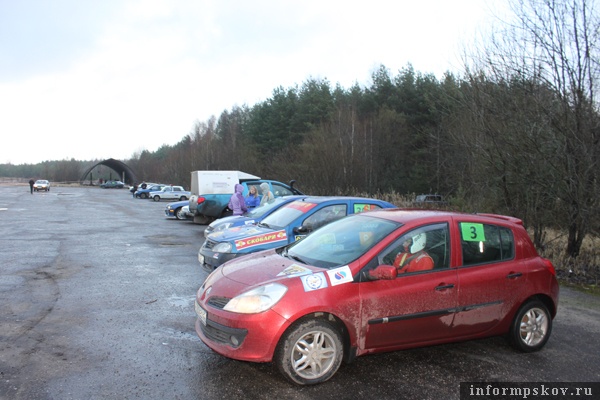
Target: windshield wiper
[
  {"x": 262, "y": 224},
  {"x": 295, "y": 258}
]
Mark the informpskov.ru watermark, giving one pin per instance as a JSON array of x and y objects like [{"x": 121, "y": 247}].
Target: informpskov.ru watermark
[{"x": 529, "y": 390}]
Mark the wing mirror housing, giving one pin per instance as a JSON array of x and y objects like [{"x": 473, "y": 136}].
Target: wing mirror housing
[
  {"x": 385, "y": 272},
  {"x": 300, "y": 229}
]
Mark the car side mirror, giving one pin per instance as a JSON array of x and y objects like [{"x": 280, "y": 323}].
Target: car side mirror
[
  {"x": 385, "y": 272},
  {"x": 300, "y": 229}
]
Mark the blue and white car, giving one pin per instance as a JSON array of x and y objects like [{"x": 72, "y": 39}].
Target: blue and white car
[
  {"x": 253, "y": 216},
  {"x": 291, "y": 222},
  {"x": 145, "y": 193},
  {"x": 179, "y": 210},
  {"x": 170, "y": 193}
]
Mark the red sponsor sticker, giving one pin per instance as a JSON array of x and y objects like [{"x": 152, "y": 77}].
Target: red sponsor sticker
[
  {"x": 301, "y": 205},
  {"x": 279, "y": 236}
]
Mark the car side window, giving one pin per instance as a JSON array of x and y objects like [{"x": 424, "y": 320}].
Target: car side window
[
  {"x": 424, "y": 248},
  {"x": 279, "y": 190},
  {"x": 363, "y": 207},
  {"x": 325, "y": 216},
  {"x": 484, "y": 243}
]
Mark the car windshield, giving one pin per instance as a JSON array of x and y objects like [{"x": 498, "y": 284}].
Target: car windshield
[
  {"x": 340, "y": 242},
  {"x": 258, "y": 212},
  {"x": 287, "y": 214}
]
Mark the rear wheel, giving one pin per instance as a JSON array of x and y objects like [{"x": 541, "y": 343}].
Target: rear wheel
[
  {"x": 182, "y": 198},
  {"x": 531, "y": 327},
  {"x": 309, "y": 352},
  {"x": 144, "y": 195},
  {"x": 156, "y": 198}
]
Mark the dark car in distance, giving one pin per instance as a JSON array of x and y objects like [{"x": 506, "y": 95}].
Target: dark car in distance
[{"x": 112, "y": 185}]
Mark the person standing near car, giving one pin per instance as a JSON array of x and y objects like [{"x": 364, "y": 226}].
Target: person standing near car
[
  {"x": 253, "y": 199},
  {"x": 31, "y": 183},
  {"x": 267, "y": 195},
  {"x": 236, "y": 202}
]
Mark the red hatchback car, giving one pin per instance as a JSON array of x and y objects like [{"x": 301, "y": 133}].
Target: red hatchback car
[{"x": 375, "y": 282}]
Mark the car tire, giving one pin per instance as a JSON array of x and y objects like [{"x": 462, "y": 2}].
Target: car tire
[
  {"x": 156, "y": 198},
  {"x": 309, "y": 352},
  {"x": 182, "y": 198},
  {"x": 531, "y": 327},
  {"x": 179, "y": 214},
  {"x": 145, "y": 195}
]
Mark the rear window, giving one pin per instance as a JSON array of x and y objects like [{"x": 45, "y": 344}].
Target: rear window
[{"x": 484, "y": 243}]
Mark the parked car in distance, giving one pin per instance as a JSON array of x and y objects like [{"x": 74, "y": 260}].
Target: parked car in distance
[
  {"x": 359, "y": 286},
  {"x": 41, "y": 184},
  {"x": 289, "y": 223},
  {"x": 135, "y": 187},
  {"x": 170, "y": 193},
  {"x": 428, "y": 200},
  {"x": 145, "y": 193},
  {"x": 179, "y": 210},
  {"x": 112, "y": 185},
  {"x": 253, "y": 216}
]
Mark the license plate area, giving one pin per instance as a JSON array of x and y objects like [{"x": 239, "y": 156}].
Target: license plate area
[{"x": 201, "y": 312}]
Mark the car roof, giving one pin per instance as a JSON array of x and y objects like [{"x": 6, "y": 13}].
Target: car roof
[
  {"x": 405, "y": 216},
  {"x": 324, "y": 199}
]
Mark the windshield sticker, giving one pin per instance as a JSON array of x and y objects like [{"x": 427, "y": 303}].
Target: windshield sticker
[
  {"x": 314, "y": 281},
  {"x": 340, "y": 275},
  {"x": 301, "y": 205},
  {"x": 295, "y": 270},
  {"x": 279, "y": 236},
  {"x": 358, "y": 208},
  {"x": 250, "y": 222},
  {"x": 366, "y": 238},
  {"x": 472, "y": 232},
  {"x": 300, "y": 237}
]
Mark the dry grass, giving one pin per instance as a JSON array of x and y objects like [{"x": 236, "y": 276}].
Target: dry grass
[{"x": 583, "y": 271}]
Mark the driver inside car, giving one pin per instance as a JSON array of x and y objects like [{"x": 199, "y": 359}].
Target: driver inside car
[{"x": 413, "y": 257}]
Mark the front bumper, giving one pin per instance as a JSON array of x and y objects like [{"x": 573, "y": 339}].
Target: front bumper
[
  {"x": 246, "y": 337},
  {"x": 209, "y": 260}
]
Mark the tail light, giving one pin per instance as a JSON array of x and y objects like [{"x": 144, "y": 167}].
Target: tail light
[{"x": 201, "y": 200}]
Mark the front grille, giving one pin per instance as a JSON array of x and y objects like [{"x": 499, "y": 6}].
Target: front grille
[
  {"x": 223, "y": 334},
  {"x": 209, "y": 244},
  {"x": 218, "y": 302}
]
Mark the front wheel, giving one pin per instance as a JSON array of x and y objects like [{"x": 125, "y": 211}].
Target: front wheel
[
  {"x": 531, "y": 327},
  {"x": 180, "y": 214},
  {"x": 145, "y": 195},
  {"x": 156, "y": 198},
  {"x": 309, "y": 352}
]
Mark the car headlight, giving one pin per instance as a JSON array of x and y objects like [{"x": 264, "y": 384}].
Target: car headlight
[
  {"x": 223, "y": 247},
  {"x": 256, "y": 300}
]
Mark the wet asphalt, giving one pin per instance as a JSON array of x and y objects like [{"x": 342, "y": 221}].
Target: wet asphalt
[{"x": 97, "y": 302}]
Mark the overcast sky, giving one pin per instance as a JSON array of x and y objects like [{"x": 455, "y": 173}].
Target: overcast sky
[{"x": 97, "y": 79}]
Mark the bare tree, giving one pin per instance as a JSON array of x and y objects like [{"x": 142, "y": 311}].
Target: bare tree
[{"x": 552, "y": 46}]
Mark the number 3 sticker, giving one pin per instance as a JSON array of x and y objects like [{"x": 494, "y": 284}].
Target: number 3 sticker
[{"x": 472, "y": 232}]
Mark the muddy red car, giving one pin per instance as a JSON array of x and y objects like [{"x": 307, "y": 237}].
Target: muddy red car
[{"x": 376, "y": 282}]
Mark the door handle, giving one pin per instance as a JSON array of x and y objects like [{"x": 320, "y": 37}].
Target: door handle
[
  {"x": 514, "y": 275},
  {"x": 444, "y": 287}
]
